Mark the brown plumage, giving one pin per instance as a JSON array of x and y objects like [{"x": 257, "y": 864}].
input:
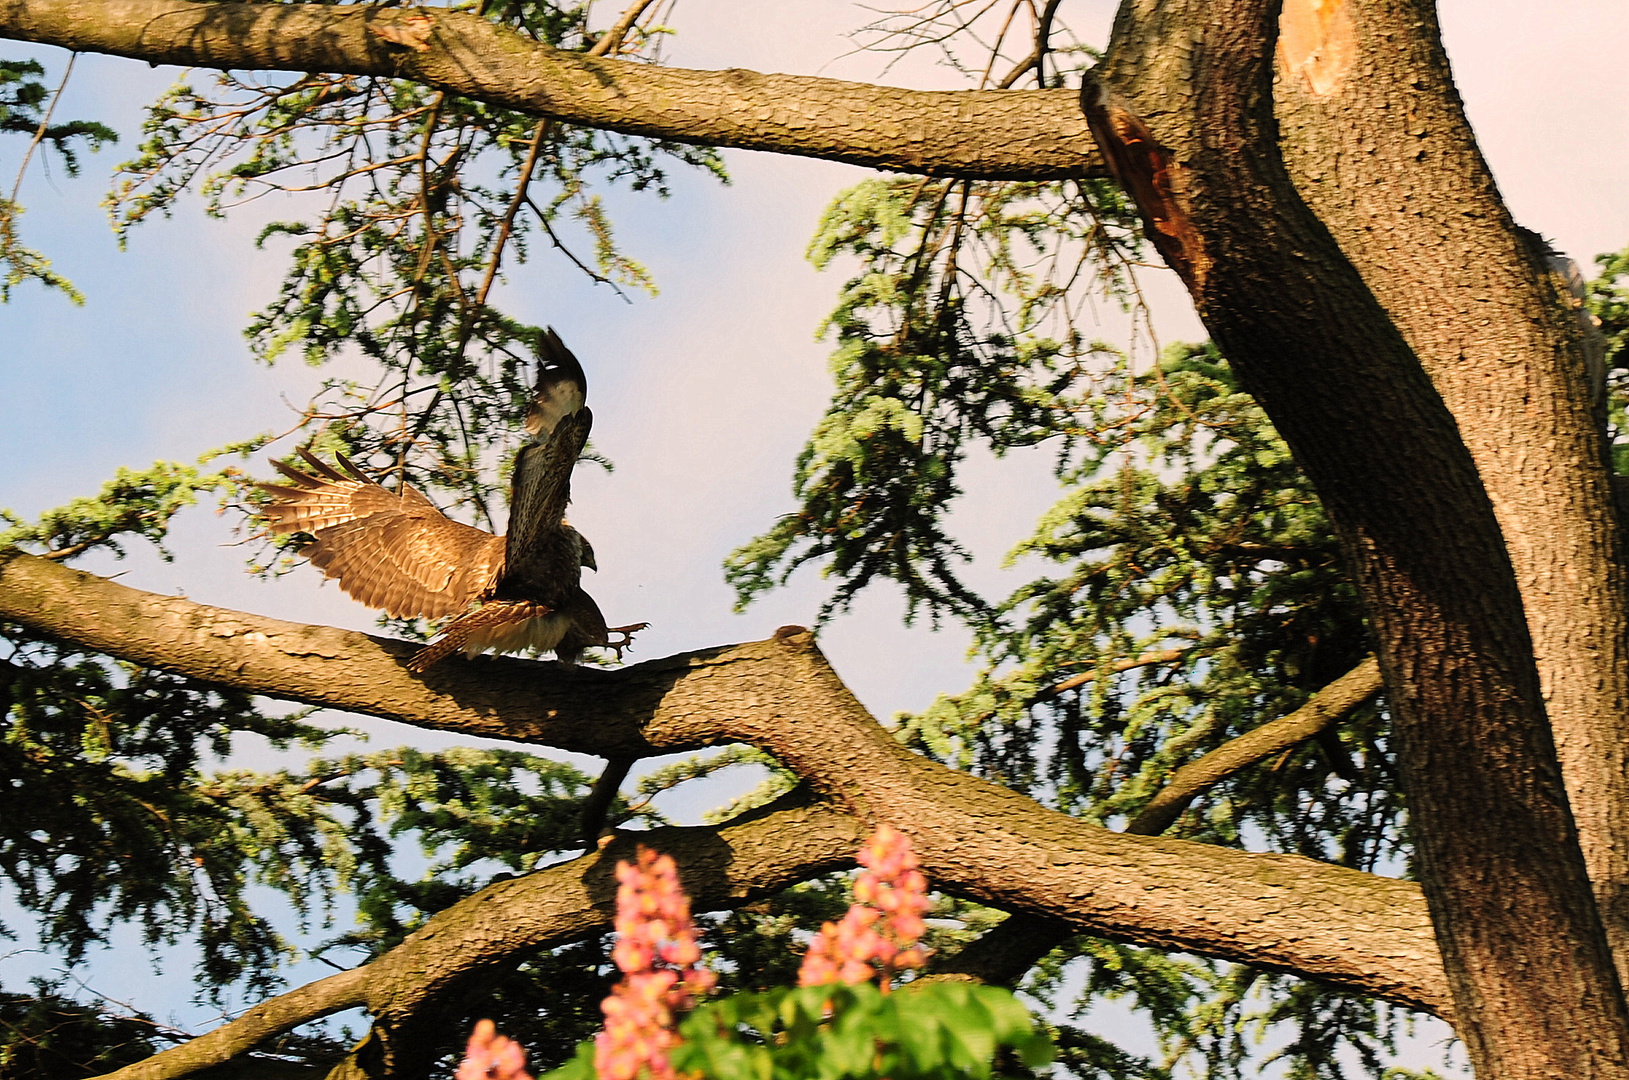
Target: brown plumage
[{"x": 395, "y": 551}]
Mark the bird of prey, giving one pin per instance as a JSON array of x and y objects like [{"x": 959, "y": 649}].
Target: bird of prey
[{"x": 393, "y": 550}]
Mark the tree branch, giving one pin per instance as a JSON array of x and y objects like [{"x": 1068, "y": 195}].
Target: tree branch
[
  {"x": 757, "y": 855},
  {"x": 1075, "y": 682},
  {"x": 1028, "y": 134},
  {"x": 975, "y": 838},
  {"x": 336, "y": 993},
  {"x": 1002, "y": 956},
  {"x": 1331, "y": 705},
  {"x": 1005, "y": 954}
]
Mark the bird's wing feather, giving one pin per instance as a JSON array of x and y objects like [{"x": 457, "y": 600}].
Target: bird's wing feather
[
  {"x": 561, "y": 388},
  {"x": 541, "y": 486},
  {"x": 390, "y": 550}
]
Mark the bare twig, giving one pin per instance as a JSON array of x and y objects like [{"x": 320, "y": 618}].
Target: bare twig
[
  {"x": 1075, "y": 682},
  {"x": 611, "y": 41},
  {"x": 45, "y": 125},
  {"x": 1037, "y": 57}
]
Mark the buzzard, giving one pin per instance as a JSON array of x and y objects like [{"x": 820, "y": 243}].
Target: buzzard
[{"x": 393, "y": 550}]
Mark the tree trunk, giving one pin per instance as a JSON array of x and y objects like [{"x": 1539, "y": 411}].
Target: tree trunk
[
  {"x": 1182, "y": 109},
  {"x": 1377, "y": 143}
]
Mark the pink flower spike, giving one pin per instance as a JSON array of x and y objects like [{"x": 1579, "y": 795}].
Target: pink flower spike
[
  {"x": 658, "y": 955},
  {"x": 491, "y": 1056},
  {"x": 877, "y": 937}
]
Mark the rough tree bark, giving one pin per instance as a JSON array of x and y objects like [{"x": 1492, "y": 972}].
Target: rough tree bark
[
  {"x": 1182, "y": 109},
  {"x": 1354, "y": 261},
  {"x": 1366, "y": 92},
  {"x": 1022, "y": 134}
]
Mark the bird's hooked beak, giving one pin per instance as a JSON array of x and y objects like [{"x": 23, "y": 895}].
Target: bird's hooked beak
[{"x": 585, "y": 550}]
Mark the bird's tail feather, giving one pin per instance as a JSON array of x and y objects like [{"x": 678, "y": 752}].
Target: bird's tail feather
[{"x": 456, "y": 634}]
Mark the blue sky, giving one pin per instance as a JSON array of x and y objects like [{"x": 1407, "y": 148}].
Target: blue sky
[{"x": 702, "y": 395}]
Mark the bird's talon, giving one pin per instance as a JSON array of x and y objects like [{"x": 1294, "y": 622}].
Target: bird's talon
[{"x": 627, "y": 633}]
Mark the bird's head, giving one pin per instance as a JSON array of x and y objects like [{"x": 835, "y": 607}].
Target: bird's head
[{"x": 585, "y": 550}]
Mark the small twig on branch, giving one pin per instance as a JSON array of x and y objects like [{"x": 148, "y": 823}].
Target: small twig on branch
[
  {"x": 611, "y": 41},
  {"x": 1075, "y": 682},
  {"x": 1036, "y": 60},
  {"x": 45, "y": 125}
]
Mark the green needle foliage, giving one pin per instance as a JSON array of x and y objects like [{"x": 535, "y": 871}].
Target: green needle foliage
[
  {"x": 936, "y": 352},
  {"x": 132, "y": 504},
  {"x": 24, "y": 102},
  {"x": 25, "y": 110},
  {"x": 415, "y": 204},
  {"x": 46, "y": 1033},
  {"x": 1608, "y": 302},
  {"x": 105, "y": 819}
]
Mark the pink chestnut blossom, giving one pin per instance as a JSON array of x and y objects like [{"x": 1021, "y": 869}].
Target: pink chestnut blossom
[
  {"x": 878, "y": 936},
  {"x": 492, "y": 1056},
  {"x": 658, "y": 955}
]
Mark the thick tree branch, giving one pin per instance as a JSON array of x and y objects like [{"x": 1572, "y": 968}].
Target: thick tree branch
[
  {"x": 1331, "y": 706},
  {"x": 1011, "y": 134},
  {"x": 1003, "y": 955},
  {"x": 310, "y": 1002},
  {"x": 317, "y": 665},
  {"x": 975, "y": 838}
]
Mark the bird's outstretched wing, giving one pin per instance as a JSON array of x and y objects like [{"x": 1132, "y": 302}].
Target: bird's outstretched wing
[
  {"x": 390, "y": 550},
  {"x": 541, "y": 485}
]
